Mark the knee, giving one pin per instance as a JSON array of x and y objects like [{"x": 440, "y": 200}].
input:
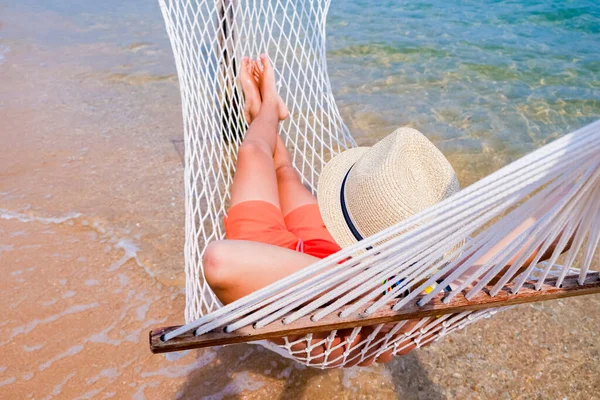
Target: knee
[
  {"x": 250, "y": 149},
  {"x": 287, "y": 172},
  {"x": 214, "y": 264}
]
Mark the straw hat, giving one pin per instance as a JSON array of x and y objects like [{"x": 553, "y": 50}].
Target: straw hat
[{"x": 382, "y": 185}]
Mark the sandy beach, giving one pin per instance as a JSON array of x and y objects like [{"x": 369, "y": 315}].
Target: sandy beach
[{"x": 92, "y": 235}]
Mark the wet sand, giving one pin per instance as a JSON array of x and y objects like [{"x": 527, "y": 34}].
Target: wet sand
[{"x": 91, "y": 239}]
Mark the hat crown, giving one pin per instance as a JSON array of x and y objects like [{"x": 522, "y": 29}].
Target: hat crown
[{"x": 399, "y": 176}]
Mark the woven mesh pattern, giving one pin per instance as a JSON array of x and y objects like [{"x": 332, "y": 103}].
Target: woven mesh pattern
[{"x": 208, "y": 38}]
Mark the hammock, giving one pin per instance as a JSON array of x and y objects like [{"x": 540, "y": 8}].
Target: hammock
[{"x": 434, "y": 250}]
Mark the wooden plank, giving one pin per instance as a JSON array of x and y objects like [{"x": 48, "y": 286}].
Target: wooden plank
[{"x": 304, "y": 325}]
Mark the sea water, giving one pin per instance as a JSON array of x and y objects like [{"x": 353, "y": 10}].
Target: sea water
[{"x": 91, "y": 192}]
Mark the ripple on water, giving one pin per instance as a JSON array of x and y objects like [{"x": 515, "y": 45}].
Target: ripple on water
[
  {"x": 33, "y": 348},
  {"x": 110, "y": 373},
  {"x": 6, "y": 214},
  {"x": 3, "y": 53},
  {"x": 27, "y": 376},
  {"x": 56, "y": 390},
  {"x": 70, "y": 352},
  {"x": 31, "y": 325},
  {"x": 174, "y": 371},
  {"x": 8, "y": 381},
  {"x": 6, "y": 247},
  {"x": 241, "y": 382}
]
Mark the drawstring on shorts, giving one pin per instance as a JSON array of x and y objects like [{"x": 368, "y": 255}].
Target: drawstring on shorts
[{"x": 300, "y": 246}]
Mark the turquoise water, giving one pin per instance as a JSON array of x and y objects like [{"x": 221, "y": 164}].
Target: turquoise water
[
  {"x": 499, "y": 75},
  {"x": 477, "y": 77}
]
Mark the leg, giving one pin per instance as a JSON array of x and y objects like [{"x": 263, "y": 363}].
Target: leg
[
  {"x": 299, "y": 207},
  {"x": 236, "y": 268},
  {"x": 255, "y": 177},
  {"x": 252, "y": 97},
  {"x": 292, "y": 193}
]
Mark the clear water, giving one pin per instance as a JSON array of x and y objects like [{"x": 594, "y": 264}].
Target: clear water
[
  {"x": 498, "y": 75},
  {"x": 91, "y": 192},
  {"x": 478, "y": 75}
]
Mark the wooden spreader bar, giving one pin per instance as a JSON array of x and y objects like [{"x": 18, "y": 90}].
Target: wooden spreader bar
[{"x": 304, "y": 325}]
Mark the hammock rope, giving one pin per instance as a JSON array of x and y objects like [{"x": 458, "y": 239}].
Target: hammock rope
[{"x": 438, "y": 248}]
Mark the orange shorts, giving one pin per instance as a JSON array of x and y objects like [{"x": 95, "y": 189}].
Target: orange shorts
[{"x": 301, "y": 230}]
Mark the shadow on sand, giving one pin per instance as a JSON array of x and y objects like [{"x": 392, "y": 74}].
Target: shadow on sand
[
  {"x": 253, "y": 370},
  {"x": 411, "y": 380}
]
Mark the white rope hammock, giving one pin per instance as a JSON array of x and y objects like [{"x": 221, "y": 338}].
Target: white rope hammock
[{"x": 439, "y": 244}]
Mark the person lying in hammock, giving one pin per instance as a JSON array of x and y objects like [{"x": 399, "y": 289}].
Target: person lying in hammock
[{"x": 275, "y": 226}]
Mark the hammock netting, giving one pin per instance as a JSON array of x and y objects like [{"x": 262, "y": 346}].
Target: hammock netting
[{"x": 443, "y": 244}]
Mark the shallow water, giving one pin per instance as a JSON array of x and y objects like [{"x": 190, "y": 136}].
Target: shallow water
[{"x": 91, "y": 193}]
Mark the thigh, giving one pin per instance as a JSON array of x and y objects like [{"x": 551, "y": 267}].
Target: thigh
[
  {"x": 258, "y": 221},
  {"x": 306, "y": 223},
  {"x": 292, "y": 193},
  {"x": 236, "y": 268},
  {"x": 255, "y": 177}
]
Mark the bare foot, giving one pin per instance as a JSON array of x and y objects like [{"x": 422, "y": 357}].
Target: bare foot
[
  {"x": 268, "y": 87},
  {"x": 252, "y": 99}
]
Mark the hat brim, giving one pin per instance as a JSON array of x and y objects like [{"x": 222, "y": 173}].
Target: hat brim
[{"x": 328, "y": 194}]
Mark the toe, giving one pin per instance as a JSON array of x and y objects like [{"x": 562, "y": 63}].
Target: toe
[
  {"x": 246, "y": 73},
  {"x": 243, "y": 69},
  {"x": 266, "y": 60},
  {"x": 247, "y": 65},
  {"x": 255, "y": 70},
  {"x": 259, "y": 65}
]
